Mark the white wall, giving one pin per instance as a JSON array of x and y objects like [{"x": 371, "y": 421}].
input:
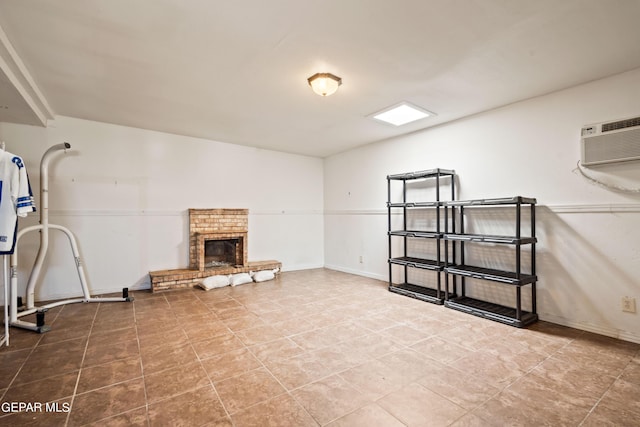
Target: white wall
[
  {"x": 124, "y": 193},
  {"x": 589, "y": 250}
]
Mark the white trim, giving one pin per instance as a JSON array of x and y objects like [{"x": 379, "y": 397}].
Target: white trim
[
  {"x": 360, "y": 212},
  {"x": 116, "y": 213},
  {"x": 299, "y": 267},
  {"x": 596, "y": 329},
  {"x": 594, "y": 208},
  {"x": 180, "y": 213},
  {"x": 558, "y": 209},
  {"x": 542, "y": 209},
  {"x": 287, "y": 212},
  {"x": 381, "y": 277}
]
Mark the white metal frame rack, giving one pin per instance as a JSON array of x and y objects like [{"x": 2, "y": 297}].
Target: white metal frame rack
[{"x": 44, "y": 228}]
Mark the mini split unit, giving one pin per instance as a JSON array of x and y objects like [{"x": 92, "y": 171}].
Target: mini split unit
[{"x": 611, "y": 142}]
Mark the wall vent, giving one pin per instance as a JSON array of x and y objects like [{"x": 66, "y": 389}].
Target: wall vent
[{"x": 611, "y": 142}]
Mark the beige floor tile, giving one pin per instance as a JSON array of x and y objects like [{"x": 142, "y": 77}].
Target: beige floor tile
[
  {"x": 101, "y": 338},
  {"x": 160, "y": 358},
  {"x": 196, "y": 407},
  {"x": 371, "y": 415},
  {"x": 623, "y": 396},
  {"x": 408, "y": 363},
  {"x": 108, "y": 352},
  {"x": 415, "y": 405},
  {"x": 205, "y": 331},
  {"x": 371, "y": 346},
  {"x": 329, "y": 399},
  {"x": 604, "y": 353},
  {"x": 510, "y": 409},
  {"x": 259, "y": 334},
  {"x": 107, "y": 401},
  {"x": 251, "y": 320},
  {"x": 178, "y": 380},
  {"x": 248, "y": 389},
  {"x": 405, "y": 335},
  {"x": 438, "y": 348},
  {"x": 113, "y": 324},
  {"x": 298, "y": 370},
  {"x": 459, "y": 387},
  {"x": 46, "y": 390},
  {"x": 605, "y": 415},
  {"x": 491, "y": 369},
  {"x": 232, "y": 313},
  {"x": 230, "y": 364},
  {"x": 217, "y": 345},
  {"x": 21, "y": 339},
  {"x": 10, "y": 364},
  {"x": 572, "y": 380},
  {"x": 279, "y": 349},
  {"x": 281, "y": 411},
  {"x": 631, "y": 373},
  {"x": 134, "y": 418},
  {"x": 109, "y": 373},
  {"x": 374, "y": 379},
  {"x": 52, "y": 359},
  {"x": 171, "y": 337},
  {"x": 65, "y": 329}
]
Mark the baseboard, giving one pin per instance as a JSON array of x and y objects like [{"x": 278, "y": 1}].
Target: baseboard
[
  {"x": 384, "y": 278},
  {"x": 596, "y": 329},
  {"x": 301, "y": 267}
]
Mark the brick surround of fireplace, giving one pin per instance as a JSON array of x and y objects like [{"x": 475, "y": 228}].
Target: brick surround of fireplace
[
  {"x": 205, "y": 225},
  {"x": 217, "y": 224}
]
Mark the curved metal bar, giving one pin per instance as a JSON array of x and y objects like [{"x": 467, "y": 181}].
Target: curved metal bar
[{"x": 44, "y": 221}]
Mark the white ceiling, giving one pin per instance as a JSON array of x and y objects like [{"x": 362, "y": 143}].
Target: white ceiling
[{"x": 235, "y": 71}]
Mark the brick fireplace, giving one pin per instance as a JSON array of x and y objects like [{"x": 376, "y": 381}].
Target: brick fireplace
[
  {"x": 215, "y": 231},
  {"x": 218, "y": 245}
]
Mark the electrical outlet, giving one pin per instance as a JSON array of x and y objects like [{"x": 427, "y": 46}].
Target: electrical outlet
[
  {"x": 629, "y": 304},
  {"x": 361, "y": 259}
]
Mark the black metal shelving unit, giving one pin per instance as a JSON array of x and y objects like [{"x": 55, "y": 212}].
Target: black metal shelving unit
[
  {"x": 514, "y": 316},
  {"x": 429, "y": 261}
]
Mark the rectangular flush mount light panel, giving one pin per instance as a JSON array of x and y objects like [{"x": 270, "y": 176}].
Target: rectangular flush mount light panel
[{"x": 401, "y": 114}]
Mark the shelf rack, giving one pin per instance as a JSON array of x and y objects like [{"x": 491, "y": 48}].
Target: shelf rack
[
  {"x": 427, "y": 261},
  {"x": 514, "y": 316}
]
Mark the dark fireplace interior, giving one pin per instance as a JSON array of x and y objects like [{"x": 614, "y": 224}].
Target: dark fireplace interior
[{"x": 220, "y": 253}]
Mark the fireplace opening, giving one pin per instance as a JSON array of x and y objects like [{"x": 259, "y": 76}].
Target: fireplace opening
[{"x": 220, "y": 253}]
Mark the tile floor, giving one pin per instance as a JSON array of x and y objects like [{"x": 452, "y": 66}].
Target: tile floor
[{"x": 310, "y": 348}]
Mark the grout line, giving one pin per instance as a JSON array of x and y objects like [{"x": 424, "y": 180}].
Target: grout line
[
  {"x": 144, "y": 384},
  {"x": 84, "y": 353},
  {"x": 215, "y": 390},
  {"x": 618, "y": 378},
  {"x": 286, "y": 390},
  {"x": 19, "y": 370}
]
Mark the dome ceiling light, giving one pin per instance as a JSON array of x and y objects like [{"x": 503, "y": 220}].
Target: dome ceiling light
[{"x": 324, "y": 84}]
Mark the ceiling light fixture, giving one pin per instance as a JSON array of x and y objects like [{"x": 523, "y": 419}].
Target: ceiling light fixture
[
  {"x": 402, "y": 114},
  {"x": 324, "y": 84}
]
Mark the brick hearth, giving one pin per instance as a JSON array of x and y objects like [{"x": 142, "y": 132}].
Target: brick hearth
[{"x": 211, "y": 224}]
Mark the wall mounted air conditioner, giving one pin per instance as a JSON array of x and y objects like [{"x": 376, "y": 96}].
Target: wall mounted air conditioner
[{"x": 611, "y": 142}]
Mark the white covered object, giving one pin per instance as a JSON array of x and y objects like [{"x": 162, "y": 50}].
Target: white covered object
[
  {"x": 263, "y": 276},
  {"x": 240, "y": 279},
  {"x": 213, "y": 282}
]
